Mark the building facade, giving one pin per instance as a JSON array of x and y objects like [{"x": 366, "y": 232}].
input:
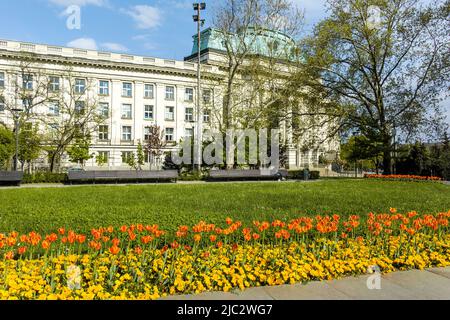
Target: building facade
[{"x": 132, "y": 92}]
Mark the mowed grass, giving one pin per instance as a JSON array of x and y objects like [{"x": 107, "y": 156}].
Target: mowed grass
[{"x": 85, "y": 207}]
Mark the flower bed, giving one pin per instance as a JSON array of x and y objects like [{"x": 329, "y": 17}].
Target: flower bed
[
  {"x": 137, "y": 262},
  {"x": 402, "y": 177}
]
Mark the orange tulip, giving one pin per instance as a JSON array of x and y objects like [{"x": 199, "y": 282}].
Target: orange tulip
[
  {"x": 9, "y": 255},
  {"x": 45, "y": 244},
  {"x": 114, "y": 250},
  {"x": 212, "y": 238},
  {"x": 22, "y": 250},
  {"x": 197, "y": 237}
]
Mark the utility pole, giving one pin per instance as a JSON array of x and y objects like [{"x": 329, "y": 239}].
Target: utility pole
[{"x": 198, "y": 7}]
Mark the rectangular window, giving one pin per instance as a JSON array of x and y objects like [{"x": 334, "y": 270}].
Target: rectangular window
[
  {"x": 53, "y": 109},
  {"x": 127, "y": 89},
  {"x": 206, "y": 116},
  {"x": 104, "y": 109},
  {"x": 80, "y": 85},
  {"x": 2, "y": 104},
  {"x": 2, "y": 79},
  {"x": 189, "y": 94},
  {"x": 170, "y": 114},
  {"x": 127, "y": 156},
  {"x": 147, "y": 135},
  {"x": 169, "y": 134},
  {"x": 79, "y": 107},
  {"x": 126, "y": 133},
  {"x": 126, "y": 111},
  {"x": 189, "y": 115},
  {"x": 103, "y": 133},
  {"x": 148, "y": 112},
  {"x": 170, "y": 93},
  {"x": 148, "y": 91},
  {"x": 28, "y": 81},
  {"x": 103, "y": 88},
  {"x": 189, "y": 133},
  {"x": 207, "y": 96},
  {"x": 104, "y": 155},
  {"x": 54, "y": 84}
]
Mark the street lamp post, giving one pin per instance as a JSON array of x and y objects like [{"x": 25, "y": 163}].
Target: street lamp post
[
  {"x": 198, "y": 7},
  {"x": 16, "y": 129}
]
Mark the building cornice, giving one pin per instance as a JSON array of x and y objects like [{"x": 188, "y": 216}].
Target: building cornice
[{"x": 19, "y": 51}]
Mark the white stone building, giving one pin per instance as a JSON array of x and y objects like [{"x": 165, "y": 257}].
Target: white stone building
[{"x": 134, "y": 92}]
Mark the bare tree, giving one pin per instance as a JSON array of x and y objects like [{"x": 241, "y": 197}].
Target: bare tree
[
  {"x": 75, "y": 115},
  {"x": 156, "y": 144},
  {"x": 251, "y": 62}
]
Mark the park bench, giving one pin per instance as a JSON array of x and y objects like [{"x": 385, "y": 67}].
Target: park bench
[
  {"x": 247, "y": 175},
  {"x": 121, "y": 176},
  {"x": 11, "y": 177}
]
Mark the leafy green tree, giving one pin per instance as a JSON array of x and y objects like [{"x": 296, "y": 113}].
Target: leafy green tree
[
  {"x": 379, "y": 67},
  {"x": 7, "y": 146},
  {"x": 79, "y": 151},
  {"x": 360, "y": 148},
  {"x": 131, "y": 161},
  {"x": 140, "y": 161},
  {"x": 30, "y": 144},
  {"x": 101, "y": 160}
]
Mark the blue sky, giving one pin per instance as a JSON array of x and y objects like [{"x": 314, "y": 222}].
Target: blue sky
[{"x": 161, "y": 28}]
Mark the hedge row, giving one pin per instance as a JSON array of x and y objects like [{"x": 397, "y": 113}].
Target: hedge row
[
  {"x": 44, "y": 177},
  {"x": 300, "y": 174},
  {"x": 48, "y": 177}
]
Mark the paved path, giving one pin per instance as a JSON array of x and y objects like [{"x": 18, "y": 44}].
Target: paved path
[{"x": 407, "y": 285}]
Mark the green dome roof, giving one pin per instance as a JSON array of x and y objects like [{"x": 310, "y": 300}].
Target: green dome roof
[{"x": 262, "y": 42}]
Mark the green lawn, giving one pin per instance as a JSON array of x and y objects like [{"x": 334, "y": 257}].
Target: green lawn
[{"x": 85, "y": 207}]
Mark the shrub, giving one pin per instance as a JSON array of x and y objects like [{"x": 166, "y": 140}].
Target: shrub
[
  {"x": 44, "y": 177},
  {"x": 300, "y": 174}
]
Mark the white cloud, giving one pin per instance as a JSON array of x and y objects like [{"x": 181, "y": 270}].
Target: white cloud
[
  {"x": 80, "y": 3},
  {"x": 145, "y": 17},
  {"x": 140, "y": 37},
  {"x": 83, "y": 43},
  {"x": 111, "y": 46}
]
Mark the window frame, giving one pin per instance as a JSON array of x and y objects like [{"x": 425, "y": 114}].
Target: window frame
[
  {"x": 54, "y": 86},
  {"x": 106, "y": 153},
  {"x": 122, "y": 133},
  {"x": 127, "y": 157},
  {"x": 152, "y": 91},
  {"x": 146, "y": 112},
  {"x": 186, "y": 114},
  {"x": 208, "y": 96},
  {"x": 170, "y": 96},
  {"x": 102, "y": 110},
  {"x": 126, "y": 117},
  {"x": 102, "y": 88},
  {"x": 101, "y": 133},
  {"x": 189, "y": 97},
  {"x": 146, "y": 135},
  {"x": 207, "y": 116},
  {"x": 166, "y": 134},
  {"x": 26, "y": 82},
  {"x": 78, "y": 86},
  {"x": 166, "y": 113},
  {"x": 2, "y": 79},
  {"x": 127, "y": 92},
  {"x": 51, "y": 111}
]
